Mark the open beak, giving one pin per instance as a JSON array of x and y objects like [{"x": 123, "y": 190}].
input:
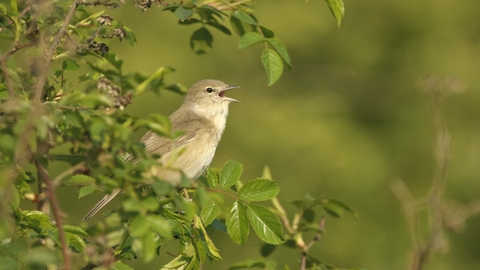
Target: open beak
[{"x": 222, "y": 93}]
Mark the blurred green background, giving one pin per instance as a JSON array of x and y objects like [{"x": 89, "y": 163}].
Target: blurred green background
[{"x": 345, "y": 121}]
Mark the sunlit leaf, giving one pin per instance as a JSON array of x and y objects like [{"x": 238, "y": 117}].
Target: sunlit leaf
[
  {"x": 266, "y": 224},
  {"x": 230, "y": 173},
  {"x": 237, "y": 223},
  {"x": 87, "y": 190},
  {"x": 337, "y": 8},
  {"x": 245, "y": 17},
  {"x": 281, "y": 50},
  {"x": 259, "y": 190},
  {"x": 249, "y": 39},
  {"x": 273, "y": 65},
  {"x": 80, "y": 180}
]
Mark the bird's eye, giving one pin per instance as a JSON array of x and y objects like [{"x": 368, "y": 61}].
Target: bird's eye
[{"x": 209, "y": 90}]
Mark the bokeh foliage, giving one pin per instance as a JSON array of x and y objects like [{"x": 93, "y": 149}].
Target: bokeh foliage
[{"x": 63, "y": 103}]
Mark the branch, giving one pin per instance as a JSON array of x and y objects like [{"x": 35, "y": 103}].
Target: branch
[
  {"x": 307, "y": 247},
  {"x": 51, "y": 50},
  {"x": 56, "y": 212},
  {"x": 67, "y": 172},
  {"x": 3, "y": 63}
]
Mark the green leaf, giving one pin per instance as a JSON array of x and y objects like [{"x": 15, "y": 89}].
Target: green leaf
[
  {"x": 157, "y": 75},
  {"x": 220, "y": 27},
  {"x": 149, "y": 249},
  {"x": 201, "y": 41},
  {"x": 80, "y": 180},
  {"x": 75, "y": 230},
  {"x": 150, "y": 203},
  {"x": 249, "y": 39},
  {"x": 241, "y": 27},
  {"x": 336, "y": 208},
  {"x": 180, "y": 263},
  {"x": 267, "y": 249},
  {"x": 244, "y": 17},
  {"x": 87, "y": 190},
  {"x": 265, "y": 224},
  {"x": 237, "y": 223},
  {"x": 130, "y": 36},
  {"x": 281, "y": 50},
  {"x": 273, "y": 65},
  {"x": 160, "y": 226},
  {"x": 337, "y": 8},
  {"x": 114, "y": 60},
  {"x": 209, "y": 212},
  {"x": 183, "y": 13},
  {"x": 121, "y": 266},
  {"x": 3, "y": 9},
  {"x": 212, "y": 178},
  {"x": 69, "y": 64},
  {"x": 230, "y": 173},
  {"x": 259, "y": 189},
  {"x": 139, "y": 226},
  {"x": 266, "y": 32}
]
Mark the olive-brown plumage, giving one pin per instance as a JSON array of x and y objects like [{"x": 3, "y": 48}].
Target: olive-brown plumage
[{"x": 202, "y": 118}]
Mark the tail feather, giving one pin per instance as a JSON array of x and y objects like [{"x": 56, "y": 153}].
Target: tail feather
[{"x": 102, "y": 203}]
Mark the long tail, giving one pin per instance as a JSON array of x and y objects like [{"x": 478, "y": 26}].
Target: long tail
[{"x": 101, "y": 203}]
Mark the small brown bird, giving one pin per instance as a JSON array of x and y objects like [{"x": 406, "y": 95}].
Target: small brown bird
[{"x": 202, "y": 117}]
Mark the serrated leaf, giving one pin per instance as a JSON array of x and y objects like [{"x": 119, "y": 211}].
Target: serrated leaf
[
  {"x": 240, "y": 27},
  {"x": 259, "y": 189},
  {"x": 281, "y": 50},
  {"x": 230, "y": 173},
  {"x": 80, "y": 180},
  {"x": 337, "y": 8},
  {"x": 183, "y": 13},
  {"x": 209, "y": 212},
  {"x": 70, "y": 64},
  {"x": 249, "y": 39},
  {"x": 273, "y": 65},
  {"x": 266, "y": 224},
  {"x": 201, "y": 41},
  {"x": 87, "y": 190},
  {"x": 244, "y": 17},
  {"x": 212, "y": 178},
  {"x": 237, "y": 223}
]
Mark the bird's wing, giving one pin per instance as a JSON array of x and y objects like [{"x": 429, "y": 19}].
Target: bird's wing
[
  {"x": 155, "y": 144},
  {"x": 185, "y": 121}
]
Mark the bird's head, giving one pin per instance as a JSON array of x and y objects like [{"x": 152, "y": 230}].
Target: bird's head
[{"x": 207, "y": 97}]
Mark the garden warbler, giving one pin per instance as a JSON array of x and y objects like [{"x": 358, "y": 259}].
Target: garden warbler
[{"x": 201, "y": 118}]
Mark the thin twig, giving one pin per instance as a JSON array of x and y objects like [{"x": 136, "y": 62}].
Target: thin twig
[
  {"x": 51, "y": 50},
  {"x": 56, "y": 212},
  {"x": 316, "y": 238},
  {"x": 3, "y": 63},
  {"x": 67, "y": 172}
]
